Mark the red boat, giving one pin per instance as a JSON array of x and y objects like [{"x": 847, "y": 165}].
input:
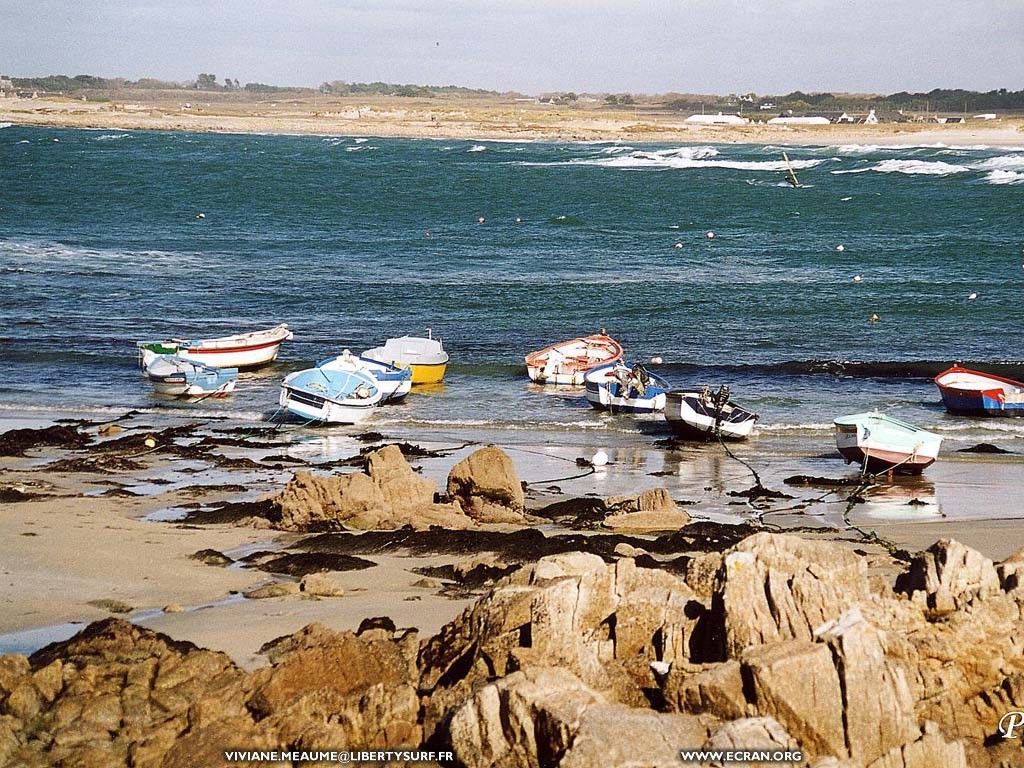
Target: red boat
[{"x": 973, "y": 393}]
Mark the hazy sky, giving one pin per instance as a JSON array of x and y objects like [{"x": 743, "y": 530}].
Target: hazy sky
[{"x": 704, "y": 46}]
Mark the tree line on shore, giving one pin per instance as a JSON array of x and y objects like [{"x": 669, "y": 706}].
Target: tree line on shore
[{"x": 936, "y": 100}]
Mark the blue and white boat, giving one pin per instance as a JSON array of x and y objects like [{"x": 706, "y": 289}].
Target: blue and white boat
[
  {"x": 620, "y": 389},
  {"x": 330, "y": 396},
  {"x": 172, "y": 375},
  {"x": 393, "y": 382}
]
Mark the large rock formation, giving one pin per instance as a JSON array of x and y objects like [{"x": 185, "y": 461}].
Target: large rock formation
[
  {"x": 572, "y": 662},
  {"x": 485, "y": 484},
  {"x": 949, "y": 576},
  {"x": 388, "y": 495}
]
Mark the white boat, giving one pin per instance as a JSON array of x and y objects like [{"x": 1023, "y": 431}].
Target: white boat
[
  {"x": 621, "y": 389},
  {"x": 705, "y": 416},
  {"x": 881, "y": 443},
  {"x": 330, "y": 396},
  {"x": 567, "y": 362},
  {"x": 175, "y": 376},
  {"x": 393, "y": 382},
  {"x": 425, "y": 357},
  {"x": 243, "y": 350}
]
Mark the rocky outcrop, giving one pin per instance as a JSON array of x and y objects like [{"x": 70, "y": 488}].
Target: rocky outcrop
[
  {"x": 949, "y": 575},
  {"x": 117, "y": 694},
  {"x": 604, "y": 623},
  {"x": 487, "y": 488},
  {"x": 388, "y": 495},
  {"x": 652, "y": 510},
  {"x": 546, "y": 716},
  {"x": 572, "y": 662},
  {"x": 774, "y": 587}
]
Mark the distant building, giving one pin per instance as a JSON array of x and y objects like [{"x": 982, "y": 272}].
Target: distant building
[
  {"x": 718, "y": 119},
  {"x": 768, "y": 106},
  {"x": 951, "y": 119},
  {"x": 6, "y": 86},
  {"x": 987, "y": 116},
  {"x": 812, "y": 118}
]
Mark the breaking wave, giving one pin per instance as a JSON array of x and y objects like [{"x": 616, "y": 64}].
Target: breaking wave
[
  {"x": 1004, "y": 177},
  {"x": 682, "y": 158},
  {"x": 477, "y": 148},
  {"x": 912, "y": 168},
  {"x": 1002, "y": 163}
]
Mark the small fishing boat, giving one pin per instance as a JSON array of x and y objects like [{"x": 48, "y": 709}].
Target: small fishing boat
[
  {"x": 330, "y": 396},
  {"x": 884, "y": 444},
  {"x": 243, "y": 350},
  {"x": 973, "y": 393},
  {"x": 425, "y": 357},
  {"x": 620, "y": 389},
  {"x": 393, "y": 382},
  {"x": 704, "y": 416},
  {"x": 567, "y": 362},
  {"x": 185, "y": 378}
]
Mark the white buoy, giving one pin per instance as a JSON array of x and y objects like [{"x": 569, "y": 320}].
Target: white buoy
[
  {"x": 840, "y": 247},
  {"x": 200, "y": 215},
  {"x": 599, "y": 459},
  {"x": 656, "y": 360},
  {"x": 519, "y": 220},
  {"x": 857, "y": 278},
  {"x": 972, "y": 297},
  {"x": 678, "y": 245},
  {"x": 481, "y": 220},
  {"x": 710, "y": 235}
]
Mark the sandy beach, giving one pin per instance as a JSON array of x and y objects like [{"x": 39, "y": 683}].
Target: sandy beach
[
  {"x": 493, "y": 119},
  {"x": 85, "y": 544}
]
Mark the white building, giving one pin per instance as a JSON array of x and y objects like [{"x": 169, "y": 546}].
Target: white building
[
  {"x": 718, "y": 119},
  {"x": 784, "y": 120}
]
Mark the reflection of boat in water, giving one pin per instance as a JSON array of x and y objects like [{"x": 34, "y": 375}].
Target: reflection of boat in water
[
  {"x": 973, "y": 393},
  {"x": 705, "y": 416},
  {"x": 620, "y": 389},
  {"x": 884, "y": 444},
  {"x": 910, "y": 497}
]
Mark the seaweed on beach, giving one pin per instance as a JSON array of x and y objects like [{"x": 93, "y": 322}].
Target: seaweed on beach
[
  {"x": 304, "y": 563},
  {"x": 983, "y": 448},
  {"x": 230, "y": 512},
  {"x": 16, "y": 442},
  {"x": 823, "y": 482},
  {"x": 96, "y": 464}
]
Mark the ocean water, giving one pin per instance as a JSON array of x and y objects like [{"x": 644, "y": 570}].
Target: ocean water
[{"x": 100, "y": 246}]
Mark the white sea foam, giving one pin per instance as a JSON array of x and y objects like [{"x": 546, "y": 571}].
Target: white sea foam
[
  {"x": 113, "y": 136},
  {"x": 6, "y": 125},
  {"x": 1004, "y": 177},
  {"x": 912, "y": 168},
  {"x": 477, "y": 148},
  {"x": 1002, "y": 163},
  {"x": 615, "y": 150},
  {"x": 685, "y": 157},
  {"x": 361, "y": 141}
]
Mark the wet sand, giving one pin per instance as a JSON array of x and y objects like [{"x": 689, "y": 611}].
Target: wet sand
[
  {"x": 72, "y": 547},
  {"x": 495, "y": 119}
]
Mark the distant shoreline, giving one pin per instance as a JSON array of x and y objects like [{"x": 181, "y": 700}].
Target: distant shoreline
[{"x": 455, "y": 120}]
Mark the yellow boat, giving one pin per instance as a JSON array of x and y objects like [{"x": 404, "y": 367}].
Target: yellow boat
[{"x": 424, "y": 356}]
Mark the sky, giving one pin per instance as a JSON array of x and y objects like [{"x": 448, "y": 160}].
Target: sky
[{"x": 640, "y": 46}]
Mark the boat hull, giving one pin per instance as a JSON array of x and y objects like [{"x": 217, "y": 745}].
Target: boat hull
[
  {"x": 314, "y": 408},
  {"x": 566, "y": 364},
  {"x": 881, "y": 444},
  {"x": 604, "y": 390},
  {"x": 973, "y": 393},
  {"x": 250, "y": 350},
  {"x": 692, "y": 419},
  {"x": 428, "y": 373}
]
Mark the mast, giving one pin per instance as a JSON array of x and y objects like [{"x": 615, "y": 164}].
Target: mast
[{"x": 790, "y": 173}]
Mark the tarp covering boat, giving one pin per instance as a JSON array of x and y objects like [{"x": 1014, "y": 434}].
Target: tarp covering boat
[
  {"x": 172, "y": 375},
  {"x": 425, "y": 357},
  {"x": 330, "y": 396}
]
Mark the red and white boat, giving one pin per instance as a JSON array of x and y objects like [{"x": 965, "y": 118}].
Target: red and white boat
[
  {"x": 973, "y": 393},
  {"x": 243, "y": 350},
  {"x": 567, "y": 363}
]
